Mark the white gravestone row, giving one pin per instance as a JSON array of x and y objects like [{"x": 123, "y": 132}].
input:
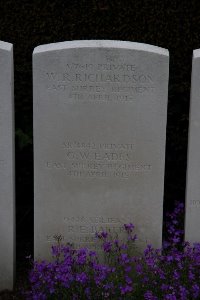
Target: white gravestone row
[
  {"x": 100, "y": 112},
  {"x": 7, "y": 203},
  {"x": 99, "y": 145}
]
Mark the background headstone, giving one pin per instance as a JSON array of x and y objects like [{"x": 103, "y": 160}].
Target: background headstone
[
  {"x": 7, "y": 202},
  {"x": 99, "y": 140},
  {"x": 192, "y": 220}
]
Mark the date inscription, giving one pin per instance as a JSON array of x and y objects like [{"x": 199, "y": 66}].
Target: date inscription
[{"x": 98, "y": 160}]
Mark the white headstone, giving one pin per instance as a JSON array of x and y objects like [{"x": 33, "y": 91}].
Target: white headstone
[
  {"x": 192, "y": 221},
  {"x": 99, "y": 140},
  {"x": 7, "y": 203}
]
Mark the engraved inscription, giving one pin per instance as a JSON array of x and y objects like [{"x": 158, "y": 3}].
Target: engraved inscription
[
  {"x": 81, "y": 230},
  {"x": 100, "y": 83},
  {"x": 98, "y": 160},
  {"x": 195, "y": 203},
  {"x": 96, "y": 219}
]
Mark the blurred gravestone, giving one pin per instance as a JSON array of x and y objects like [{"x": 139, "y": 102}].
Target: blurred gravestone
[
  {"x": 7, "y": 206},
  {"x": 192, "y": 221},
  {"x": 99, "y": 141}
]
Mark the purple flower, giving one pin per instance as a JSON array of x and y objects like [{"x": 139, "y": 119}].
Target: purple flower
[
  {"x": 169, "y": 258},
  {"x": 150, "y": 262},
  {"x": 191, "y": 275},
  {"x": 195, "y": 291},
  {"x": 128, "y": 280},
  {"x": 107, "y": 246},
  {"x": 171, "y": 273},
  {"x": 176, "y": 275},
  {"x": 82, "y": 278},
  {"x": 88, "y": 293},
  {"x": 128, "y": 268},
  {"x": 92, "y": 254},
  {"x": 129, "y": 227},
  {"x": 81, "y": 256},
  {"x": 176, "y": 239},
  {"x": 132, "y": 238},
  {"x": 149, "y": 296},
  {"x": 126, "y": 289},
  {"x": 164, "y": 287},
  {"x": 183, "y": 292},
  {"x": 170, "y": 297},
  {"x": 139, "y": 269},
  {"x": 123, "y": 247},
  {"x": 124, "y": 258},
  {"x": 102, "y": 235}
]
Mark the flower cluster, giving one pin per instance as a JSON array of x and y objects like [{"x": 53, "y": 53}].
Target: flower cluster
[{"x": 170, "y": 273}]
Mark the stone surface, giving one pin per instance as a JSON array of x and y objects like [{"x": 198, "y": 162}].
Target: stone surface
[
  {"x": 192, "y": 220},
  {"x": 7, "y": 203},
  {"x": 99, "y": 141}
]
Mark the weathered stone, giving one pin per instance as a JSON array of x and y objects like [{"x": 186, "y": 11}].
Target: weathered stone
[
  {"x": 99, "y": 140},
  {"x": 192, "y": 221},
  {"x": 7, "y": 202}
]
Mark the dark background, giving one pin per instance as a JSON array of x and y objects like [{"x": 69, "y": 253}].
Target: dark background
[{"x": 174, "y": 25}]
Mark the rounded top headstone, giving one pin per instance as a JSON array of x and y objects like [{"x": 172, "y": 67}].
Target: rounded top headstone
[
  {"x": 100, "y": 112},
  {"x": 6, "y": 46},
  {"x": 101, "y": 44},
  {"x": 196, "y": 53}
]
